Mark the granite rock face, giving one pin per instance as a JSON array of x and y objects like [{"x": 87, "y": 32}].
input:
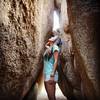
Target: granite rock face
[
  {"x": 23, "y": 27},
  {"x": 79, "y": 78},
  {"x": 84, "y": 21},
  {"x": 69, "y": 81}
]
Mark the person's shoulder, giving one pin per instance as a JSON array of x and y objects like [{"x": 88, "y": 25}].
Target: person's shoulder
[{"x": 55, "y": 47}]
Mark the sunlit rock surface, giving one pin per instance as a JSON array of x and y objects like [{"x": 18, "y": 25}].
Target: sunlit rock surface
[{"x": 23, "y": 27}]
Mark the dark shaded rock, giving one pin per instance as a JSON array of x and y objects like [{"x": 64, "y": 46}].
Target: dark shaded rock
[
  {"x": 69, "y": 80},
  {"x": 32, "y": 94},
  {"x": 84, "y": 21}
]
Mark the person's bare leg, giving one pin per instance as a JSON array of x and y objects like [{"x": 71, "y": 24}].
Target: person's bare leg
[{"x": 50, "y": 87}]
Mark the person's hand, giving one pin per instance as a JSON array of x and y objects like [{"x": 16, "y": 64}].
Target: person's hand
[
  {"x": 47, "y": 45},
  {"x": 52, "y": 78}
]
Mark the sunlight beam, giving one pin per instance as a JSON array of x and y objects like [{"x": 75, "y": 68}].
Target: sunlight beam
[{"x": 56, "y": 24}]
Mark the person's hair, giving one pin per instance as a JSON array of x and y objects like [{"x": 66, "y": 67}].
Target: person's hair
[{"x": 59, "y": 42}]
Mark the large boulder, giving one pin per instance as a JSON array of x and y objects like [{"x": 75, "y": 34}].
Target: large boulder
[
  {"x": 23, "y": 27},
  {"x": 79, "y": 76},
  {"x": 84, "y": 17}
]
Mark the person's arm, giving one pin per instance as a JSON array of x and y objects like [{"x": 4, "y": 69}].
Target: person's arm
[
  {"x": 55, "y": 63},
  {"x": 47, "y": 45}
]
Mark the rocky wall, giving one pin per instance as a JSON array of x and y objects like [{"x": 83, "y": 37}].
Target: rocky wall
[
  {"x": 23, "y": 27},
  {"x": 80, "y": 75},
  {"x": 67, "y": 75},
  {"x": 84, "y": 21}
]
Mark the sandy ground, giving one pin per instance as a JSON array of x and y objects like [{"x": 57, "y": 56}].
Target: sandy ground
[{"x": 42, "y": 95}]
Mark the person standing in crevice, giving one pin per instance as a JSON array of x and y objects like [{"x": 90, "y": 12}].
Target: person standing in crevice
[{"x": 50, "y": 67}]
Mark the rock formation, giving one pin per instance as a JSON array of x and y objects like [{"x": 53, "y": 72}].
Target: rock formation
[
  {"x": 80, "y": 77},
  {"x": 84, "y": 17},
  {"x": 23, "y": 27}
]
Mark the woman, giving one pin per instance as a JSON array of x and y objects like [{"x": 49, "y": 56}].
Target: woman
[{"x": 50, "y": 66}]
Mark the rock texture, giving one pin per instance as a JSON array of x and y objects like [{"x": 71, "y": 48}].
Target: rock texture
[
  {"x": 67, "y": 75},
  {"x": 79, "y": 78},
  {"x": 23, "y": 27},
  {"x": 84, "y": 22}
]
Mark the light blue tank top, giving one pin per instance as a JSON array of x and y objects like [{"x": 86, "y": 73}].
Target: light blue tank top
[{"x": 48, "y": 65}]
